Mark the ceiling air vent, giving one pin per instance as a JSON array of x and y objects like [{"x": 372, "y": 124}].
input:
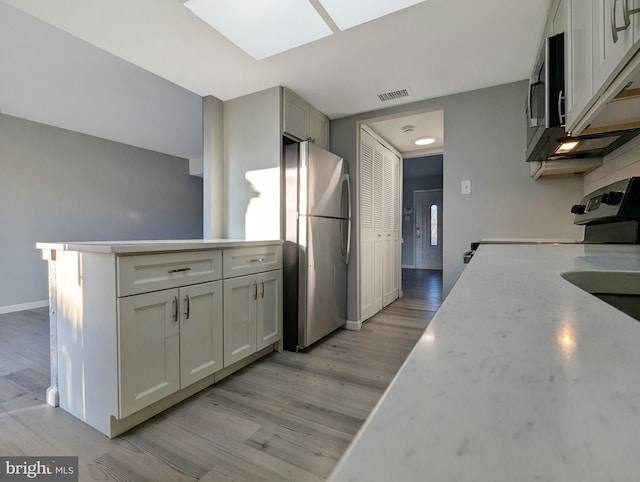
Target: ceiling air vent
[{"x": 395, "y": 94}]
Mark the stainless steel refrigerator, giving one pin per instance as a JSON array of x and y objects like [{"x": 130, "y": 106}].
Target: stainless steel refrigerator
[{"x": 316, "y": 248}]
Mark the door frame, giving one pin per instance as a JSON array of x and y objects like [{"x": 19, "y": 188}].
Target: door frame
[{"x": 415, "y": 221}]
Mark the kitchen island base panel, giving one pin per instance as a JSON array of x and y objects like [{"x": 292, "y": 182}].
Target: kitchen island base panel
[
  {"x": 88, "y": 358},
  {"x": 120, "y": 426}
]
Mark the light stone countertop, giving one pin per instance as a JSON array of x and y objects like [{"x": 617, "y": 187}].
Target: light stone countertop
[
  {"x": 521, "y": 376},
  {"x": 151, "y": 246}
]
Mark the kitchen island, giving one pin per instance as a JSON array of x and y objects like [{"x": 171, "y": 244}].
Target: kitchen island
[
  {"x": 137, "y": 326},
  {"x": 520, "y": 376}
]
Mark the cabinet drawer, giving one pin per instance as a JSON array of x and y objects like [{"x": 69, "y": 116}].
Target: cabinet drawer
[
  {"x": 244, "y": 261},
  {"x": 152, "y": 272}
]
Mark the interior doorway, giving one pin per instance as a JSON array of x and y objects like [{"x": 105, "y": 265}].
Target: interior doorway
[{"x": 427, "y": 233}]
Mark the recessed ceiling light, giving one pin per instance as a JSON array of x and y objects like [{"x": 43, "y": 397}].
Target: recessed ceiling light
[
  {"x": 262, "y": 28},
  {"x": 424, "y": 141},
  {"x": 347, "y": 14}
]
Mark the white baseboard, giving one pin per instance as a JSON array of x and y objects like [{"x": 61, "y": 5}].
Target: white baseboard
[
  {"x": 23, "y": 306},
  {"x": 353, "y": 325}
]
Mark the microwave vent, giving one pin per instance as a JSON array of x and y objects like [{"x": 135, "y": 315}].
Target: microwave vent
[{"x": 395, "y": 94}]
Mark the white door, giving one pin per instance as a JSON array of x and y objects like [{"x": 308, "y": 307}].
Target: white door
[
  {"x": 200, "y": 331},
  {"x": 428, "y": 229}
]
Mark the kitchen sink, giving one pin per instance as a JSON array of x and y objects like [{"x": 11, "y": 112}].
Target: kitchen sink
[{"x": 621, "y": 289}]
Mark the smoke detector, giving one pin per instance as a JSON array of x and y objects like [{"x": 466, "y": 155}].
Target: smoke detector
[{"x": 407, "y": 129}]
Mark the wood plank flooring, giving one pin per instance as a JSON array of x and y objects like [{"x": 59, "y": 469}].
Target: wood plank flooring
[{"x": 288, "y": 416}]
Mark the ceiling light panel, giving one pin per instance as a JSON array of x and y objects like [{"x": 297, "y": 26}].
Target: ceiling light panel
[
  {"x": 347, "y": 14},
  {"x": 262, "y": 28}
]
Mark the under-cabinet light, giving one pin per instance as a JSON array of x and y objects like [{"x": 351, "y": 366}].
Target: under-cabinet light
[{"x": 566, "y": 147}]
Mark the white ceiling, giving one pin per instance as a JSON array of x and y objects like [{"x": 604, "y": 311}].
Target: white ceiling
[
  {"x": 73, "y": 75},
  {"x": 397, "y": 132}
]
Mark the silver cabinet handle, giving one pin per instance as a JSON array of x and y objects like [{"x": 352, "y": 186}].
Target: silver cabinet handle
[
  {"x": 179, "y": 270},
  {"x": 625, "y": 14},
  {"x": 257, "y": 260},
  {"x": 262, "y": 289},
  {"x": 561, "y": 116},
  {"x": 175, "y": 308},
  {"x": 255, "y": 293},
  {"x": 187, "y": 301}
]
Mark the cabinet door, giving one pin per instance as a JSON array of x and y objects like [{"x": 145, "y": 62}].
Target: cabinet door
[
  {"x": 240, "y": 295},
  {"x": 578, "y": 60},
  {"x": 319, "y": 128},
  {"x": 608, "y": 54},
  {"x": 635, "y": 20},
  {"x": 269, "y": 309},
  {"x": 200, "y": 331},
  {"x": 295, "y": 115},
  {"x": 149, "y": 349}
]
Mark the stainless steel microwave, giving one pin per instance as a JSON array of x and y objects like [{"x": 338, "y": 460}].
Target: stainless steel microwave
[
  {"x": 545, "y": 99},
  {"x": 546, "y": 136}
]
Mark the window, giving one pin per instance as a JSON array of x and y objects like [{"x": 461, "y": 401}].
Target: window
[{"x": 434, "y": 225}]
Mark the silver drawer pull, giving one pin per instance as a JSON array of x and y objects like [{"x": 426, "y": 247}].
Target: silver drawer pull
[
  {"x": 258, "y": 260},
  {"x": 179, "y": 270}
]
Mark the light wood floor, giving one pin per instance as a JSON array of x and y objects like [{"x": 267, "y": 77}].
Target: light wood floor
[{"x": 289, "y": 416}]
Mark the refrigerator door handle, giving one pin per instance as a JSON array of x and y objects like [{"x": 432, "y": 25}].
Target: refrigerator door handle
[{"x": 346, "y": 249}]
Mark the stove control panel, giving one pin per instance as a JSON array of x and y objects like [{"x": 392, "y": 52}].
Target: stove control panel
[{"x": 619, "y": 201}]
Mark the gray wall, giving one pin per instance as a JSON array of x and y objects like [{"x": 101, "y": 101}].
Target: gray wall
[
  {"x": 59, "y": 185},
  {"x": 413, "y": 181},
  {"x": 485, "y": 142}
]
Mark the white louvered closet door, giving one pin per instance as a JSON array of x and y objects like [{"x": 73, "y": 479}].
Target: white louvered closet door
[{"x": 379, "y": 225}]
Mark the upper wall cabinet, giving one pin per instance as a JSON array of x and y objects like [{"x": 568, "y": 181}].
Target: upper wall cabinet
[
  {"x": 301, "y": 121},
  {"x": 613, "y": 37},
  {"x": 578, "y": 58},
  {"x": 601, "y": 55}
]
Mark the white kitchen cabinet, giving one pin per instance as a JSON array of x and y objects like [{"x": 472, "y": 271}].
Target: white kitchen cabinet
[
  {"x": 295, "y": 115},
  {"x": 140, "y": 327},
  {"x": 167, "y": 340},
  {"x": 269, "y": 309},
  {"x": 252, "y": 314},
  {"x": 635, "y": 20},
  {"x": 201, "y": 336},
  {"x": 149, "y": 349},
  {"x": 578, "y": 60},
  {"x": 319, "y": 127},
  {"x": 302, "y": 121},
  {"x": 379, "y": 225},
  {"x": 608, "y": 52}
]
